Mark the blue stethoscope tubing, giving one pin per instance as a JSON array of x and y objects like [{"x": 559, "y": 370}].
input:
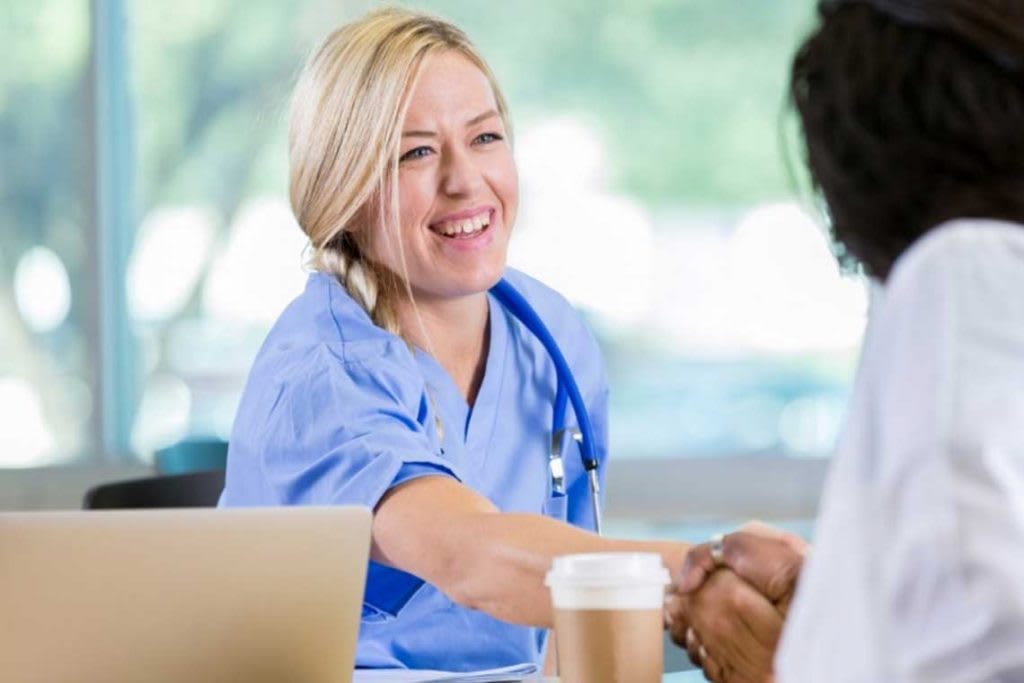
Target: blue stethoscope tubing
[{"x": 567, "y": 392}]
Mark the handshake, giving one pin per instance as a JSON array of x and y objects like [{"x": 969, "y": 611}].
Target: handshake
[{"x": 728, "y": 602}]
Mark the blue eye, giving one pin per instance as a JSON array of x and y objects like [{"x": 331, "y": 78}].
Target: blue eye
[
  {"x": 416, "y": 153},
  {"x": 485, "y": 138}
]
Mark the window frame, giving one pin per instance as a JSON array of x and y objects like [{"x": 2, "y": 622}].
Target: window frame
[{"x": 112, "y": 162}]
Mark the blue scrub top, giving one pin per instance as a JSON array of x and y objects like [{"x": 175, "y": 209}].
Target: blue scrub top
[{"x": 336, "y": 411}]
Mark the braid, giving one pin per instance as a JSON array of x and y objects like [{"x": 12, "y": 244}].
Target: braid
[
  {"x": 368, "y": 286},
  {"x": 364, "y": 281}
]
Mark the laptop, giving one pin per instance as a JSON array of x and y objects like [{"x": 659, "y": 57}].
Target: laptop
[{"x": 261, "y": 595}]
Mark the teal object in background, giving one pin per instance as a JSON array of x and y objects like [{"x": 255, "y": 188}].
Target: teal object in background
[
  {"x": 685, "y": 677},
  {"x": 192, "y": 455}
]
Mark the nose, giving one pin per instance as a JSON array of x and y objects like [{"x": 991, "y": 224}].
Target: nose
[{"x": 460, "y": 175}]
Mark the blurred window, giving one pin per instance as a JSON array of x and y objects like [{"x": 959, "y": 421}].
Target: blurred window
[
  {"x": 46, "y": 379},
  {"x": 655, "y": 195}
]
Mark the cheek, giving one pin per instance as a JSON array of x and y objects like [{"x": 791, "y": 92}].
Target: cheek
[
  {"x": 506, "y": 186},
  {"x": 384, "y": 239},
  {"x": 414, "y": 200}
]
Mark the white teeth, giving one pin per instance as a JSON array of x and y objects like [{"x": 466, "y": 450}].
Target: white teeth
[{"x": 466, "y": 226}]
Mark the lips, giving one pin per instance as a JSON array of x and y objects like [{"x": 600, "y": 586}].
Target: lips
[{"x": 464, "y": 225}]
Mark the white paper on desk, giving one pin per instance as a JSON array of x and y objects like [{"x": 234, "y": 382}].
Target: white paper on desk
[{"x": 517, "y": 672}]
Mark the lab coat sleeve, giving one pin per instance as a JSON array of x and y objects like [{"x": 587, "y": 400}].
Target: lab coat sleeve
[{"x": 950, "y": 465}]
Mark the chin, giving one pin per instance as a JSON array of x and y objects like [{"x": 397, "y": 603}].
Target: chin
[
  {"x": 468, "y": 284},
  {"x": 479, "y": 282}
]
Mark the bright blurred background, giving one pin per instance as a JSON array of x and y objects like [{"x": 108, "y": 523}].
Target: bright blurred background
[{"x": 146, "y": 244}]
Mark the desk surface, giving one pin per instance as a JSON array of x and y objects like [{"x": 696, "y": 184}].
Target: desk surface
[{"x": 679, "y": 677}]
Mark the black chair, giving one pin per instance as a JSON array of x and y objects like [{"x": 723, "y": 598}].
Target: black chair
[{"x": 195, "y": 489}]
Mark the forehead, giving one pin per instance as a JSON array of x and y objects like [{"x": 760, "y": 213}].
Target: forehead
[{"x": 449, "y": 86}]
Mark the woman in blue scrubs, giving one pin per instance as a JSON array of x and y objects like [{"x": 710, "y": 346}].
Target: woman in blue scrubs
[{"x": 395, "y": 380}]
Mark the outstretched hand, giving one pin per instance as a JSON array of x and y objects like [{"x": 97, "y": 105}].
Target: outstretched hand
[
  {"x": 729, "y": 615},
  {"x": 767, "y": 559}
]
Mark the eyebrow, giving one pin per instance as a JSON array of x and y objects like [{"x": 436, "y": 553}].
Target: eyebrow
[{"x": 431, "y": 134}]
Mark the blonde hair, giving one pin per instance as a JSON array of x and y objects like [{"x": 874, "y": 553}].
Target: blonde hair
[{"x": 344, "y": 135}]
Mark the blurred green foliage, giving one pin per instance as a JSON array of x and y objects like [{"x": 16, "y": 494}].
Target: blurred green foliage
[{"x": 687, "y": 94}]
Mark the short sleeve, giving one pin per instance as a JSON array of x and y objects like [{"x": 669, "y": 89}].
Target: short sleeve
[
  {"x": 333, "y": 431},
  {"x": 341, "y": 433}
]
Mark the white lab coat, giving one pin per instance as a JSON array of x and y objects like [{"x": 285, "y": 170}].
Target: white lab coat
[{"x": 917, "y": 574}]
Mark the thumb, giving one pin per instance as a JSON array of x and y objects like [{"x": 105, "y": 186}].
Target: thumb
[
  {"x": 698, "y": 566},
  {"x": 770, "y": 565},
  {"x": 759, "y": 528}
]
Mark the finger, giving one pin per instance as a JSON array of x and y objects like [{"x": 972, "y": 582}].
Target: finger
[
  {"x": 696, "y": 568},
  {"x": 756, "y": 662},
  {"x": 763, "y": 623},
  {"x": 693, "y": 645},
  {"x": 677, "y": 621},
  {"x": 688, "y": 636},
  {"x": 682, "y": 621},
  {"x": 797, "y": 544},
  {"x": 713, "y": 671},
  {"x": 738, "y": 626},
  {"x": 678, "y": 632},
  {"x": 770, "y": 565},
  {"x": 759, "y": 528},
  {"x": 747, "y": 607}
]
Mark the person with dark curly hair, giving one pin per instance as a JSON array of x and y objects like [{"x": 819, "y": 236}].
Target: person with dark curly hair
[{"x": 912, "y": 114}]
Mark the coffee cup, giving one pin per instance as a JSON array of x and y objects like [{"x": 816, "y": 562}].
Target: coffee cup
[{"x": 608, "y": 617}]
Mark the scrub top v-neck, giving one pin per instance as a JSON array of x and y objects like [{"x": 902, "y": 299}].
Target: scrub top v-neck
[
  {"x": 475, "y": 425},
  {"x": 337, "y": 411}
]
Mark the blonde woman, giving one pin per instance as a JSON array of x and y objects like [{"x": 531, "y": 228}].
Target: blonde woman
[{"x": 396, "y": 380}]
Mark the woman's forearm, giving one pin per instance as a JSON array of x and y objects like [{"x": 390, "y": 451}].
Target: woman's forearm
[
  {"x": 482, "y": 558},
  {"x": 504, "y": 574}
]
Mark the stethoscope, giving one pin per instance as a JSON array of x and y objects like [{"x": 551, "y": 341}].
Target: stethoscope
[{"x": 568, "y": 391}]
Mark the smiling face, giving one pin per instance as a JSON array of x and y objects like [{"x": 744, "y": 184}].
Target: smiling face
[{"x": 457, "y": 184}]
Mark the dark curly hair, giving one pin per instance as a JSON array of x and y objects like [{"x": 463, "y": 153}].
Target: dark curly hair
[{"x": 912, "y": 114}]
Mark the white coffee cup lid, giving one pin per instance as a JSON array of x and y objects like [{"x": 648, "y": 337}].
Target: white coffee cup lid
[{"x": 608, "y": 569}]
